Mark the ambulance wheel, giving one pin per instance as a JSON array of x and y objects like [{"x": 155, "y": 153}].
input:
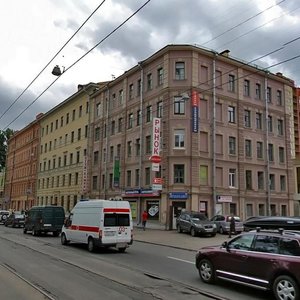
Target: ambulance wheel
[
  {"x": 91, "y": 245},
  {"x": 63, "y": 239},
  {"x": 122, "y": 250}
]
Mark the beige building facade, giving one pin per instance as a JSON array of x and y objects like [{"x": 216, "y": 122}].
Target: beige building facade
[
  {"x": 226, "y": 137},
  {"x": 62, "y": 171}
]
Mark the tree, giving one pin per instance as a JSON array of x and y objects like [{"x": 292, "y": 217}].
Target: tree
[{"x": 4, "y": 137}]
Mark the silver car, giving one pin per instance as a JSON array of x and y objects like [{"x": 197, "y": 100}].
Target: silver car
[{"x": 223, "y": 223}]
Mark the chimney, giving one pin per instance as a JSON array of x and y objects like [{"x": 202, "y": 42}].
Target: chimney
[{"x": 225, "y": 52}]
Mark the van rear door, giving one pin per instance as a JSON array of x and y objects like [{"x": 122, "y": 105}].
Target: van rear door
[{"x": 116, "y": 226}]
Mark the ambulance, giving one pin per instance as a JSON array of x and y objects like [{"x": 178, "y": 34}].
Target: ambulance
[{"x": 99, "y": 223}]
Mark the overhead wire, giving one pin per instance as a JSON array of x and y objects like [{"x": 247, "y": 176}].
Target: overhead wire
[
  {"x": 56, "y": 54},
  {"x": 80, "y": 58}
]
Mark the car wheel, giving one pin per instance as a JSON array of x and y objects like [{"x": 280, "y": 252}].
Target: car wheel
[
  {"x": 91, "y": 245},
  {"x": 285, "y": 288},
  {"x": 206, "y": 271},
  {"x": 193, "y": 231},
  {"x": 122, "y": 250},
  {"x": 55, "y": 233},
  {"x": 5, "y": 224},
  {"x": 179, "y": 230},
  {"x": 63, "y": 239},
  {"x": 24, "y": 230},
  {"x": 221, "y": 230},
  {"x": 34, "y": 232}
]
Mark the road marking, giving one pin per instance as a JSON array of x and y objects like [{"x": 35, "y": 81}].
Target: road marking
[{"x": 187, "y": 261}]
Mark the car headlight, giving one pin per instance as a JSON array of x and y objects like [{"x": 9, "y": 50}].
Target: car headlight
[
  {"x": 198, "y": 225},
  {"x": 214, "y": 225}
]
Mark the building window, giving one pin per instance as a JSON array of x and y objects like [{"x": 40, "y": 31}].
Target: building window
[
  {"x": 280, "y": 126},
  {"x": 231, "y": 83},
  {"x": 148, "y": 144},
  {"x": 270, "y": 123},
  {"x": 139, "y": 87},
  {"x": 147, "y": 176},
  {"x": 260, "y": 180},
  {"x": 149, "y": 113},
  {"x": 179, "y": 106},
  {"x": 121, "y": 96},
  {"x": 248, "y": 148},
  {"x": 272, "y": 182},
  {"x": 159, "y": 109},
  {"x": 269, "y": 94},
  {"x": 257, "y": 91},
  {"x": 73, "y": 114},
  {"x": 232, "y": 178},
  {"x": 258, "y": 120},
  {"x": 247, "y": 118},
  {"x": 231, "y": 114},
  {"x": 179, "y": 71},
  {"x": 130, "y": 91},
  {"x": 281, "y": 154},
  {"x": 137, "y": 147},
  {"x": 279, "y": 98},
  {"x": 129, "y": 149},
  {"x": 160, "y": 76},
  {"x": 128, "y": 178},
  {"x": 204, "y": 175},
  {"x": 259, "y": 150},
  {"x": 137, "y": 177},
  {"x": 113, "y": 127},
  {"x": 111, "y": 155},
  {"x": 97, "y": 134},
  {"x": 119, "y": 150},
  {"x": 248, "y": 179},
  {"x": 179, "y": 138},
  {"x": 246, "y": 87},
  {"x": 95, "y": 183},
  {"x": 130, "y": 121},
  {"x": 149, "y": 82},
  {"x": 261, "y": 210},
  {"x": 77, "y": 157},
  {"x": 178, "y": 173},
  {"x": 232, "y": 145},
  {"x": 120, "y": 121},
  {"x": 282, "y": 183},
  {"x": 249, "y": 210},
  {"x": 138, "y": 117},
  {"x": 96, "y": 157},
  {"x": 79, "y": 134},
  {"x": 271, "y": 152},
  {"x": 80, "y": 111}
]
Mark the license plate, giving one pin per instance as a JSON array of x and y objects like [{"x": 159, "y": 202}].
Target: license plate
[
  {"x": 209, "y": 230},
  {"x": 109, "y": 233},
  {"x": 121, "y": 245}
]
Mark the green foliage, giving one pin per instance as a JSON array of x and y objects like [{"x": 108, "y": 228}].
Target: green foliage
[{"x": 4, "y": 137}]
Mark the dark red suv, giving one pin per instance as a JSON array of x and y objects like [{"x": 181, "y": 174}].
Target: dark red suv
[{"x": 268, "y": 260}]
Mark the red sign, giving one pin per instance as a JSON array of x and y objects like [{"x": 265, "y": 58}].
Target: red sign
[
  {"x": 157, "y": 180},
  {"x": 155, "y": 159}
]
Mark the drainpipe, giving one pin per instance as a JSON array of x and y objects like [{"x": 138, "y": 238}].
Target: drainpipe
[
  {"x": 107, "y": 100},
  {"x": 267, "y": 146},
  {"x": 141, "y": 141},
  {"x": 214, "y": 139}
]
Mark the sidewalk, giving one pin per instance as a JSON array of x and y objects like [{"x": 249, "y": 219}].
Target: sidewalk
[{"x": 156, "y": 234}]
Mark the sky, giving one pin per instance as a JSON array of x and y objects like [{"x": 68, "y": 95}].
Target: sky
[{"x": 33, "y": 31}]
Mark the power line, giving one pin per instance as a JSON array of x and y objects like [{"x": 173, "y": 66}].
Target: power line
[
  {"x": 52, "y": 59},
  {"x": 106, "y": 37}
]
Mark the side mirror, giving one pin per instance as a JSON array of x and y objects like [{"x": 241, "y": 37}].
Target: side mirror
[{"x": 225, "y": 245}]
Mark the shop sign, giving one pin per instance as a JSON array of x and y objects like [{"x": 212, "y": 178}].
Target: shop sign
[{"x": 178, "y": 195}]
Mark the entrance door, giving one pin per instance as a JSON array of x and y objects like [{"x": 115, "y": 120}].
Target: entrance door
[{"x": 177, "y": 207}]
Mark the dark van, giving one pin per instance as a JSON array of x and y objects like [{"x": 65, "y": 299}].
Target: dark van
[{"x": 44, "y": 219}]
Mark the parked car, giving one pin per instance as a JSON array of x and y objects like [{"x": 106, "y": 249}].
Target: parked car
[
  {"x": 273, "y": 222},
  {"x": 3, "y": 215},
  {"x": 44, "y": 219},
  {"x": 16, "y": 219},
  {"x": 223, "y": 223},
  {"x": 195, "y": 223},
  {"x": 263, "y": 259}
]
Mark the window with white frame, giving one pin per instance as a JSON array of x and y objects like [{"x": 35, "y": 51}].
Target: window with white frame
[
  {"x": 149, "y": 113},
  {"x": 160, "y": 76},
  {"x": 129, "y": 148},
  {"x": 130, "y": 120},
  {"x": 269, "y": 94},
  {"x": 231, "y": 83},
  {"x": 247, "y": 118},
  {"x": 98, "y": 109},
  {"x": 258, "y": 120},
  {"x": 179, "y": 138},
  {"x": 231, "y": 114},
  {"x": 178, "y": 173},
  {"x": 179, "y": 70},
  {"x": 232, "y": 178},
  {"x": 259, "y": 150},
  {"x": 121, "y": 96},
  {"x": 279, "y": 98},
  {"x": 159, "y": 109},
  {"x": 139, "y": 117},
  {"x": 280, "y": 126},
  {"x": 282, "y": 183},
  {"x": 257, "y": 91},
  {"x": 248, "y": 148},
  {"x": 246, "y": 87}
]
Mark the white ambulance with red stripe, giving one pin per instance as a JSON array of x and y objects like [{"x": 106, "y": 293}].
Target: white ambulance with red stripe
[{"x": 99, "y": 223}]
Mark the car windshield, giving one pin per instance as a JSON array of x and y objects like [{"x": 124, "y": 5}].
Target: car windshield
[{"x": 198, "y": 217}]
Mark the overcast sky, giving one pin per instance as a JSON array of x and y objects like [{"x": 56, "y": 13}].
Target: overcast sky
[{"x": 33, "y": 31}]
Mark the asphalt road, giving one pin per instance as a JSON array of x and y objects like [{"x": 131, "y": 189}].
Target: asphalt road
[{"x": 151, "y": 269}]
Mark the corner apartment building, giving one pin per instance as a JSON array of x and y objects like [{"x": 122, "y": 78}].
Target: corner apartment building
[
  {"x": 2, "y": 185},
  {"x": 21, "y": 167},
  {"x": 62, "y": 171},
  {"x": 297, "y": 148},
  {"x": 226, "y": 137}
]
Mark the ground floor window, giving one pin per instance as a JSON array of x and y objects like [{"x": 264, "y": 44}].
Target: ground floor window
[{"x": 153, "y": 210}]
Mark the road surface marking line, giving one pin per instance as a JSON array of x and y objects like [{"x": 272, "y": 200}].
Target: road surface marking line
[{"x": 183, "y": 260}]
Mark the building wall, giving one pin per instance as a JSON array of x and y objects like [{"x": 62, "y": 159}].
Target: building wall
[{"x": 205, "y": 154}]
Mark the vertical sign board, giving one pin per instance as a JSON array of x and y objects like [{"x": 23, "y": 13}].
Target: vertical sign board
[
  {"x": 116, "y": 172},
  {"x": 84, "y": 175},
  {"x": 195, "y": 111},
  {"x": 155, "y": 144}
]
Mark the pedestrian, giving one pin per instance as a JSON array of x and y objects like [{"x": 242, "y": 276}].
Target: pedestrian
[
  {"x": 232, "y": 226},
  {"x": 144, "y": 219}
]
